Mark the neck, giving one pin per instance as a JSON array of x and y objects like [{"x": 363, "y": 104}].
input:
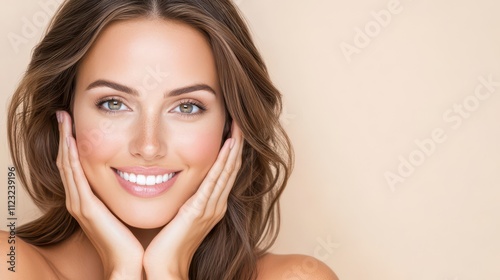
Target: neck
[{"x": 145, "y": 236}]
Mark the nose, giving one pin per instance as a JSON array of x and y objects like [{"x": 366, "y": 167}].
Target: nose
[{"x": 148, "y": 141}]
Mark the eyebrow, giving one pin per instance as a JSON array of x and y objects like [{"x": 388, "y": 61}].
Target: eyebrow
[{"x": 128, "y": 90}]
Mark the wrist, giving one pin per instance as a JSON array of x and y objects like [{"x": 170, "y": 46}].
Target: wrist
[
  {"x": 160, "y": 272},
  {"x": 132, "y": 272},
  {"x": 159, "y": 267},
  {"x": 161, "y": 275}
]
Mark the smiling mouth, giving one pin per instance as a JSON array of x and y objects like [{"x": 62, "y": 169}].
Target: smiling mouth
[{"x": 145, "y": 180}]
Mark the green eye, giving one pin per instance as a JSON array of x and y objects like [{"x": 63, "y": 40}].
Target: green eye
[
  {"x": 187, "y": 108},
  {"x": 112, "y": 105}
]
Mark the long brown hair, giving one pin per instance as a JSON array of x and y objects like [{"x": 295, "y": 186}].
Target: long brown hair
[{"x": 251, "y": 223}]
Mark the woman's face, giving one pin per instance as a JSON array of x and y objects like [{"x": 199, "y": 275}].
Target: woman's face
[{"x": 149, "y": 118}]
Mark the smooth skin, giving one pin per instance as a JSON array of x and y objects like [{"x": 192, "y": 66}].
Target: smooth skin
[
  {"x": 123, "y": 236},
  {"x": 122, "y": 254}
]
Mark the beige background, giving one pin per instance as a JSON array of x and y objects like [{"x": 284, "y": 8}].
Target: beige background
[{"x": 353, "y": 118}]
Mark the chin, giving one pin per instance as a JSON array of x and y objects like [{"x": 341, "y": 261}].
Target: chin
[
  {"x": 142, "y": 220},
  {"x": 143, "y": 213},
  {"x": 144, "y": 224}
]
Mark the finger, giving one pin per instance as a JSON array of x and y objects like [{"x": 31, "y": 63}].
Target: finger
[
  {"x": 222, "y": 180},
  {"x": 72, "y": 198},
  {"x": 228, "y": 176},
  {"x": 217, "y": 202},
  {"x": 59, "y": 155},
  {"x": 238, "y": 151},
  {"x": 60, "y": 119},
  {"x": 204, "y": 193},
  {"x": 82, "y": 184},
  {"x": 77, "y": 182}
]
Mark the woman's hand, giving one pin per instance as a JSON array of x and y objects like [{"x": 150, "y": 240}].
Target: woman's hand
[
  {"x": 169, "y": 254},
  {"x": 121, "y": 253}
]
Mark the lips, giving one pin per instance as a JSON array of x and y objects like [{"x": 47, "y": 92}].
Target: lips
[{"x": 145, "y": 182}]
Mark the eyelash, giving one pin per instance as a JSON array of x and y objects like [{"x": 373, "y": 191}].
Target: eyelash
[
  {"x": 99, "y": 104},
  {"x": 102, "y": 101},
  {"x": 200, "y": 106}
]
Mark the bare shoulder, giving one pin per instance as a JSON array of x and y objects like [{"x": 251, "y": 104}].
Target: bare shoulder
[
  {"x": 23, "y": 260},
  {"x": 293, "y": 267}
]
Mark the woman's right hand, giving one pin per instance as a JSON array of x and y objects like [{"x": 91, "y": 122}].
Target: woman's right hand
[{"x": 120, "y": 251}]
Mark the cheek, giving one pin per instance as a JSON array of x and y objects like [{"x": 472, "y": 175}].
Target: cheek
[
  {"x": 200, "y": 148},
  {"x": 96, "y": 140}
]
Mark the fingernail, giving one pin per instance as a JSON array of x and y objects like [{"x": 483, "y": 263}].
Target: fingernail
[
  {"x": 67, "y": 141},
  {"x": 231, "y": 144},
  {"x": 59, "y": 117}
]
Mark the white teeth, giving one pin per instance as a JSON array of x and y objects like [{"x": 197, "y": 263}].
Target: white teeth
[
  {"x": 151, "y": 180},
  {"x": 132, "y": 178},
  {"x": 145, "y": 180},
  {"x": 141, "y": 180}
]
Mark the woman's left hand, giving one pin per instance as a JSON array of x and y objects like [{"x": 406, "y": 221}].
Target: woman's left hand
[{"x": 169, "y": 254}]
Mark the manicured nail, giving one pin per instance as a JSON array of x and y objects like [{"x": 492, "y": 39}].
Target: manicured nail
[
  {"x": 59, "y": 117},
  {"x": 67, "y": 141},
  {"x": 231, "y": 143}
]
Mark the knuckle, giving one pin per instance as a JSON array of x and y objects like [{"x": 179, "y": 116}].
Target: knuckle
[
  {"x": 217, "y": 217},
  {"x": 65, "y": 167},
  {"x": 73, "y": 162},
  {"x": 211, "y": 179},
  {"x": 238, "y": 165},
  {"x": 222, "y": 212},
  {"x": 226, "y": 175},
  {"x": 86, "y": 212},
  {"x": 192, "y": 212},
  {"x": 70, "y": 209},
  {"x": 204, "y": 219},
  {"x": 230, "y": 167},
  {"x": 228, "y": 170}
]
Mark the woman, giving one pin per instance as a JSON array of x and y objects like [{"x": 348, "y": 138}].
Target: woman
[{"x": 148, "y": 134}]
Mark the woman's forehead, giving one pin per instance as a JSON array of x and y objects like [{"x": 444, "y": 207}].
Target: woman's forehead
[{"x": 161, "y": 51}]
